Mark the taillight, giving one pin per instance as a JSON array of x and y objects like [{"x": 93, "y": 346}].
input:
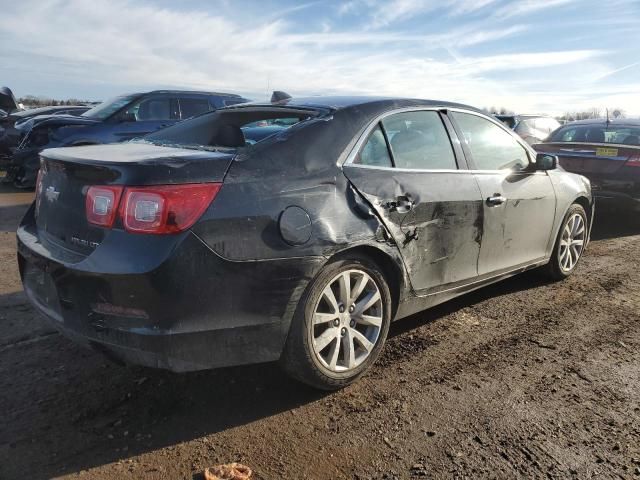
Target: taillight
[
  {"x": 38, "y": 191},
  {"x": 633, "y": 161},
  {"x": 159, "y": 209},
  {"x": 101, "y": 205}
]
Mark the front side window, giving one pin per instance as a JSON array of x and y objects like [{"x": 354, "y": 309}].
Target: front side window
[
  {"x": 419, "y": 140},
  {"x": 154, "y": 109},
  {"x": 492, "y": 147},
  {"x": 375, "y": 152}
]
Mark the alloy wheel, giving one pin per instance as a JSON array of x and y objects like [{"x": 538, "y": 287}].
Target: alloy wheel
[
  {"x": 572, "y": 242},
  {"x": 347, "y": 321}
]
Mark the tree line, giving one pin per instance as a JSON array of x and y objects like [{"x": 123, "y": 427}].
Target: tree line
[
  {"x": 571, "y": 116},
  {"x": 31, "y": 101}
]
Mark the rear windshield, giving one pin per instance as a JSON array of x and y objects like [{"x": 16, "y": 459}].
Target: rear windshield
[
  {"x": 230, "y": 129},
  {"x": 619, "y": 134}
]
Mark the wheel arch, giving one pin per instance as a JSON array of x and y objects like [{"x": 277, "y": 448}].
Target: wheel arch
[
  {"x": 391, "y": 267},
  {"x": 585, "y": 203}
]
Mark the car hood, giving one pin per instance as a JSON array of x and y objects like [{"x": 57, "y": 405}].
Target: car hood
[
  {"x": 56, "y": 121},
  {"x": 8, "y": 101}
]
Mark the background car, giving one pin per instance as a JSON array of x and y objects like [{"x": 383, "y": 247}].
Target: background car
[
  {"x": 532, "y": 128},
  {"x": 14, "y": 126},
  {"x": 203, "y": 246},
  {"x": 119, "y": 119},
  {"x": 605, "y": 151}
]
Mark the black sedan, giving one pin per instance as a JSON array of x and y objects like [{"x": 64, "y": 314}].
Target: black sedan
[
  {"x": 210, "y": 244},
  {"x": 605, "y": 151}
]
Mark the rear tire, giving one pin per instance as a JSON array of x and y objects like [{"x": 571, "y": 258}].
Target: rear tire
[
  {"x": 570, "y": 244},
  {"x": 340, "y": 325}
]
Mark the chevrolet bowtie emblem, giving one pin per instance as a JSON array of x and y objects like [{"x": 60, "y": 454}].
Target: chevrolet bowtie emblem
[{"x": 51, "y": 194}]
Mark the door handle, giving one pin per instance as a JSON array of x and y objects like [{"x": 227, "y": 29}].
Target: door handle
[
  {"x": 402, "y": 204},
  {"x": 496, "y": 199}
]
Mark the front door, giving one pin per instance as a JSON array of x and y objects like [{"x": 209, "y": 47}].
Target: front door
[
  {"x": 409, "y": 172},
  {"x": 146, "y": 116},
  {"x": 519, "y": 203}
]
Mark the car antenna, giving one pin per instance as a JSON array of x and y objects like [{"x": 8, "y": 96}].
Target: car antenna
[{"x": 279, "y": 96}]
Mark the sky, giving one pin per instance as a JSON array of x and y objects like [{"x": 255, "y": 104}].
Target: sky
[{"x": 531, "y": 56}]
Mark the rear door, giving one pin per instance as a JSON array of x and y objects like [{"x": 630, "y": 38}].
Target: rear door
[
  {"x": 192, "y": 105},
  {"x": 519, "y": 203},
  {"x": 415, "y": 178}
]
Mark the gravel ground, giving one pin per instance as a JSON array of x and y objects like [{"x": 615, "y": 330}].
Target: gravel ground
[{"x": 521, "y": 379}]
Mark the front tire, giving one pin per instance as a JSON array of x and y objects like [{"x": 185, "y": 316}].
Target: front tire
[
  {"x": 340, "y": 325},
  {"x": 570, "y": 244}
]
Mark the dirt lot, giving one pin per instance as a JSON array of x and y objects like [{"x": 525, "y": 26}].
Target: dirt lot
[{"x": 521, "y": 379}]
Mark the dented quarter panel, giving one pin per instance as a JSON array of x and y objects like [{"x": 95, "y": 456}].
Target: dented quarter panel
[{"x": 439, "y": 238}]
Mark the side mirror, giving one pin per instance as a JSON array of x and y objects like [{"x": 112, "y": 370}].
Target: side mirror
[{"x": 544, "y": 162}]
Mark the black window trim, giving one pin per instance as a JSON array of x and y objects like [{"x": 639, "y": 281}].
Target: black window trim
[{"x": 459, "y": 157}]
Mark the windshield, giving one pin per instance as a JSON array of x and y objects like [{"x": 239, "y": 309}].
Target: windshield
[
  {"x": 619, "y": 134},
  {"x": 233, "y": 128},
  {"x": 108, "y": 108}
]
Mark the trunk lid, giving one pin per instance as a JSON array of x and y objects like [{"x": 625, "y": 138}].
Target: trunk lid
[
  {"x": 67, "y": 173},
  {"x": 589, "y": 159}
]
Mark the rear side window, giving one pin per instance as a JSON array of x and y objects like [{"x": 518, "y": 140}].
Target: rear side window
[
  {"x": 419, "y": 141},
  {"x": 190, "y": 107},
  {"x": 375, "y": 152},
  {"x": 492, "y": 147}
]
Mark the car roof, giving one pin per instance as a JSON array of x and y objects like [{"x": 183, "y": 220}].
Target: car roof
[
  {"x": 190, "y": 92},
  {"x": 336, "y": 103},
  {"x": 631, "y": 122}
]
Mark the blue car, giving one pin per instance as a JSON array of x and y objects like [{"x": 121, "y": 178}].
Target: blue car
[{"x": 117, "y": 120}]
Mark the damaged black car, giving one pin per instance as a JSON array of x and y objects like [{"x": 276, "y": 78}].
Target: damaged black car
[
  {"x": 293, "y": 231},
  {"x": 14, "y": 126},
  {"x": 119, "y": 119}
]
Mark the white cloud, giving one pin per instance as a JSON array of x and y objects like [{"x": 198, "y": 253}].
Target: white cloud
[
  {"x": 130, "y": 44},
  {"x": 528, "y": 7}
]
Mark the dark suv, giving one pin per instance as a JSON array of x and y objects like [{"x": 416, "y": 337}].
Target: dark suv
[{"x": 119, "y": 119}]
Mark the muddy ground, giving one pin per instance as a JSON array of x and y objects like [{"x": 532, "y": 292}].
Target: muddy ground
[{"x": 521, "y": 379}]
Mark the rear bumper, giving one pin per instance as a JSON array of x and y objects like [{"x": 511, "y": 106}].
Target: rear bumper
[{"x": 189, "y": 309}]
